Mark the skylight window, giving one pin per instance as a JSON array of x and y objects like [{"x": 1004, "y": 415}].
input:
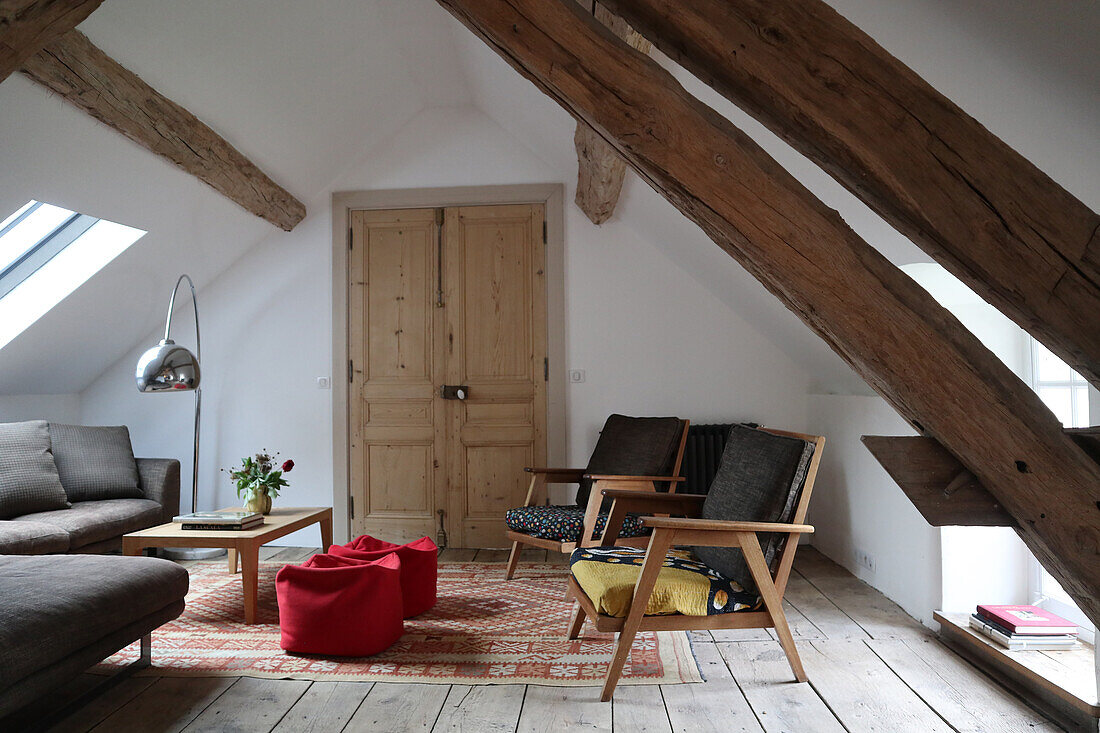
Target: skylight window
[{"x": 47, "y": 252}]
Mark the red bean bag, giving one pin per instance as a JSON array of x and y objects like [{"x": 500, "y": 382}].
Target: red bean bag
[
  {"x": 418, "y": 567},
  {"x": 340, "y": 607}
]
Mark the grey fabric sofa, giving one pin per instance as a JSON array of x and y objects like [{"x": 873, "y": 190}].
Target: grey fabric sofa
[
  {"x": 66, "y": 493},
  {"x": 106, "y": 492},
  {"x": 60, "y": 615}
]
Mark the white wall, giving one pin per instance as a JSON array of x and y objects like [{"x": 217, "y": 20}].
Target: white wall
[
  {"x": 61, "y": 408},
  {"x": 650, "y": 340},
  {"x": 856, "y": 506}
]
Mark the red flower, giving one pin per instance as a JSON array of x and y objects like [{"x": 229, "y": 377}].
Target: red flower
[{"x": 287, "y": 465}]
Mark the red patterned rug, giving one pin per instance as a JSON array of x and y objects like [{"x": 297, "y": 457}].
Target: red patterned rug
[{"x": 483, "y": 630}]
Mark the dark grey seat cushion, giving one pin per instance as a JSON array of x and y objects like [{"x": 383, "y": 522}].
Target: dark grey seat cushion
[
  {"x": 760, "y": 479},
  {"x": 28, "y": 475},
  {"x": 633, "y": 446},
  {"x": 31, "y": 538},
  {"x": 95, "y": 462},
  {"x": 88, "y": 522},
  {"x": 53, "y": 606}
]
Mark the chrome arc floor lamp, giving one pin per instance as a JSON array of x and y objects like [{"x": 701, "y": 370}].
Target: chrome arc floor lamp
[{"x": 169, "y": 367}]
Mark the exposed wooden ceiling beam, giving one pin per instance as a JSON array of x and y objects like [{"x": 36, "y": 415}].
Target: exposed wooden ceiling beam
[
  {"x": 941, "y": 488},
  {"x": 912, "y": 351},
  {"x": 935, "y": 173},
  {"x": 28, "y": 26},
  {"x": 73, "y": 67},
  {"x": 600, "y": 168}
]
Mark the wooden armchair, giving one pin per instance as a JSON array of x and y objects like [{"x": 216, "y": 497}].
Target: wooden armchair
[
  {"x": 632, "y": 453},
  {"x": 766, "y": 563}
]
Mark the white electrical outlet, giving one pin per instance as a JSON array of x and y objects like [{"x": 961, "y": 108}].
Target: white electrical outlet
[
  {"x": 865, "y": 559},
  {"x": 323, "y": 383},
  {"x": 576, "y": 376}
]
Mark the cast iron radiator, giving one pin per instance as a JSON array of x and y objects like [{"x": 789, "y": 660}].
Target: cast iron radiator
[{"x": 702, "y": 454}]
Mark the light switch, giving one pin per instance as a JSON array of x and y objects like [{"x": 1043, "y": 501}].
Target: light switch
[{"x": 576, "y": 376}]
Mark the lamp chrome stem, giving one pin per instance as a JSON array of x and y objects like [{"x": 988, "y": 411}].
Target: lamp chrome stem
[
  {"x": 198, "y": 390},
  {"x": 172, "y": 306}
]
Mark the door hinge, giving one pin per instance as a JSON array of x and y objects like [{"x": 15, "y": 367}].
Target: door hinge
[
  {"x": 544, "y": 231},
  {"x": 351, "y": 507},
  {"x": 546, "y": 369},
  {"x": 351, "y": 371},
  {"x": 351, "y": 239}
]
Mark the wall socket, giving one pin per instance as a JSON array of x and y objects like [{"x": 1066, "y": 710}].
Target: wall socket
[
  {"x": 865, "y": 559},
  {"x": 324, "y": 383},
  {"x": 576, "y": 376}
]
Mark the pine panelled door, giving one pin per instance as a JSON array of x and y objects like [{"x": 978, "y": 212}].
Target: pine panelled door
[{"x": 445, "y": 298}]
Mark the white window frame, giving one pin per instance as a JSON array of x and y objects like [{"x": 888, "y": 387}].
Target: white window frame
[{"x": 1043, "y": 589}]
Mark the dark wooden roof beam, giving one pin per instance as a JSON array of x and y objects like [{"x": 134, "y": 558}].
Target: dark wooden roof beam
[
  {"x": 86, "y": 77},
  {"x": 974, "y": 204},
  {"x": 27, "y": 26}
]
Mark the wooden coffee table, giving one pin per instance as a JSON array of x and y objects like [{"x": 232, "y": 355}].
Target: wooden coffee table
[{"x": 246, "y": 544}]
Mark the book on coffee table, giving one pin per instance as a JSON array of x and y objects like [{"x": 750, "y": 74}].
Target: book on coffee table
[{"x": 226, "y": 520}]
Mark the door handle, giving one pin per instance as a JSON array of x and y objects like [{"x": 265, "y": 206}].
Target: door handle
[{"x": 454, "y": 391}]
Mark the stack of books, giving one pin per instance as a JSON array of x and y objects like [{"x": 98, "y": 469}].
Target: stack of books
[
  {"x": 1024, "y": 627},
  {"x": 228, "y": 521}
]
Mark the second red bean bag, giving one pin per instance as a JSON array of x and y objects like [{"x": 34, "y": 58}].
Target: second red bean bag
[
  {"x": 340, "y": 607},
  {"x": 418, "y": 567}
]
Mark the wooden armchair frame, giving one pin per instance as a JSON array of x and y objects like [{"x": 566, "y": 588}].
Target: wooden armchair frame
[
  {"x": 669, "y": 532},
  {"x": 536, "y": 495}
]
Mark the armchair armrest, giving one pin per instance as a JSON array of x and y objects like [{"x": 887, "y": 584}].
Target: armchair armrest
[
  {"x": 717, "y": 533},
  {"x": 558, "y": 475},
  {"x": 626, "y": 501},
  {"x": 634, "y": 479},
  {"x": 718, "y": 525},
  {"x": 160, "y": 481},
  {"x": 647, "y": 502}
]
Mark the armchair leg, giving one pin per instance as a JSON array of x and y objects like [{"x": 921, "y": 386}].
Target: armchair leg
[
  {"x": 754, "y": 558},
  {"x": 654, "y": 560},
  {"x": 577, "y": 624},
  {"x": 615, "y": 669},
  {"x": 513, "y": 560}
]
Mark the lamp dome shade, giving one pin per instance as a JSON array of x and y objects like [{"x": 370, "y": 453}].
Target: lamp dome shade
[{"x": 167, "y": 367}]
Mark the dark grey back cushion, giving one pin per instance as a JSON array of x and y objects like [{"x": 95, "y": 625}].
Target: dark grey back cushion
[
  {"x": 94, "y": 462},
  {"x": 760, "y": 480},
  {"x": 28, "y": 476},
  {"x": 633, "y": 446}
]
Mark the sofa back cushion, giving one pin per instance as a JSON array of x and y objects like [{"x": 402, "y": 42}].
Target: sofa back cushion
[
  {"x": 95, "y": 462},
  {"x": 28, "y": 475}
]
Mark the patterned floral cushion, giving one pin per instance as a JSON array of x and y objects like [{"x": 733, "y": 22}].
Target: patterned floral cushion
[
  {"x": 607, "y": 575},
  {"x": 564, "y": 523}
]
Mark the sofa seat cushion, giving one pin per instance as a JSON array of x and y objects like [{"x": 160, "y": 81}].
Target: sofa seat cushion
[
  {"x": 607, "y": 575},
  {"x": 94, "y": 521},
  {"x": 565, "y": 523},
  {"x": 31, "y": 538},
  {"x": 52, "y": 606},
  {"x": 95, "y": 462},
  {"x": 28, "y": 474}
]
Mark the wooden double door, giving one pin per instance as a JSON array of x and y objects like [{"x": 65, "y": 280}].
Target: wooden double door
[{"x": 445, "y": 300}]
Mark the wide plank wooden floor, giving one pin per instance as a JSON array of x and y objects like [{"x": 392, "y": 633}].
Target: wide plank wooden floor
[{"x": 872, "y": 668}]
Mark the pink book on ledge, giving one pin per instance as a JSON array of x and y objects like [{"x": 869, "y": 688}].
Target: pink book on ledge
[{"x": 1027, "y": 619}]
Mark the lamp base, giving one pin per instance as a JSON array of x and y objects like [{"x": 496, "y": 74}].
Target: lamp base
[{"x": 191, "y": 553}]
